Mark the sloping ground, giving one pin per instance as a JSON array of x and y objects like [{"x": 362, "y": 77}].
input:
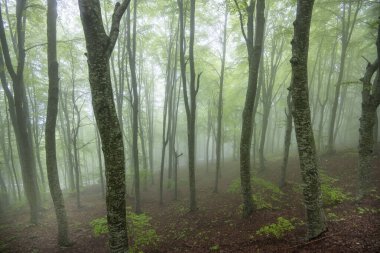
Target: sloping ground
[{"x": 217, "y": 226}]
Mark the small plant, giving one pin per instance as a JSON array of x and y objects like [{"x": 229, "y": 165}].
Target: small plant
[
  {"x": 278, "y": 229},
  {"x": 140, "y": 231},
  {"x": 263, "y": 190},
  {"x": 99, "y": 226},
  {"x": 331, "y": 195},
  {"x": 364, "y": 210},
  {"x": 333, "y": 217},
  {"x": 260, "y": 202},
  {"x": 215, "y": 248},
  {"x": 266, "y": 185},
  {"x": 234, "y": 187}
]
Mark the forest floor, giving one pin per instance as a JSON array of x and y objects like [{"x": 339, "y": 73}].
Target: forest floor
[{"x": 217, "y": 226}]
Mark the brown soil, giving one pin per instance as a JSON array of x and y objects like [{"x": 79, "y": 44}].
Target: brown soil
[{"x": 217, "y": 226}]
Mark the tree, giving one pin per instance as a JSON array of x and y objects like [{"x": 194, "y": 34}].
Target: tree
[
  {"x": 287, "y": 139},
  {"x": 348, "y": 24},
  {"x": 220, "y": 104},
  {"x": 370, "y": 103},
  {"x": 131, "y": 48},
  {"x": 19, "y": 109},
  {"x": 51, "y": 120},
  {"x": 302, "y": 120},
  {"x": 190, "y": 102},
  {"x": 99, "y": 48},
  {"x": 254, "y": 56}
]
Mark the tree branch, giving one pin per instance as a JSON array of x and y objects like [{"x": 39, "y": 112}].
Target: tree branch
[
  {"x": 116, "y": 18},
  {"x": 241, "y": 21},
  {"x": 198, "y": 80},
  {"x": 5, "y": 48}
]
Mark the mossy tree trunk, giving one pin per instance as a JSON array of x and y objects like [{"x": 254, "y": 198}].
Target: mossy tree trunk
[
  {"x": 254, "y": 49},
  {"x": 99, "y": 48},
  {"x": 302, "y": 120},
  {"x": 370, "y": 102}
]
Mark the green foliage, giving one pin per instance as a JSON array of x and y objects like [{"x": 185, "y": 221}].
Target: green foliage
[
  {"x": 331, "y": 195},
  {"x": 140, "y": 231},
  {"x": 278, "y": 229},
  {"x": 99, "y": 226},
  {"x": 215, "y": 248},
  {"x": 364, "y": 210},
  {"x": 266, "y": 185},
  {"x": 260, "y": 202},
  {"x": 334, "y": 217},
  {"x": 262, "y": 187},
  {"x": 234, "y": 187}
]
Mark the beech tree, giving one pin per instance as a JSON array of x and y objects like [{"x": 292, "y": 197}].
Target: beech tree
[
  {"x": 99, "y": 48},
  {"x": 51, "y": 119},
  {"x": 302, "y": 120},
  {"x": 370, "y": 103},
  {"x": 254, "y": 49},
  {"x": 19, "y": 109}
]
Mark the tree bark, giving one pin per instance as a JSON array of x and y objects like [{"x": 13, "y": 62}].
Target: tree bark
[
  {"x": 370, "y": 102},
  {"x": 51, "y": 121},
  {"x": 302, "y": 120},
  {"x": 99, "y": 48},
  {"x": 287, "y": 139},
  {"x": 254, "y": 56}
]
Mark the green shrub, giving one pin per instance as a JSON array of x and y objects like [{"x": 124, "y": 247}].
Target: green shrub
[
  {"x": 234, "y": 187},
  {"x": 331, "y": 195},
  {"x": 260, "y": 202},
  {"x": 266, "y": 185},
  {"x": 278, "y": 229},
  {"x": 140, "y": 231},
  {"x": 261, "y": 188},
  {"x": 99, "y": 226}
]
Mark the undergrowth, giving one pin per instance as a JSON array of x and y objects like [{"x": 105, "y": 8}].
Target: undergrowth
[
  {"x": 278, "y": 229},
  {"x": 140, "y": 231},
  {"x": 331, "y": 194},
  {"x": 261, "y": 189}
]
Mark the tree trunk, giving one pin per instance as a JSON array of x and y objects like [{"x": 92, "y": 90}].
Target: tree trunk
[
  {"x": 99, "y": 48},
  {"x": 287, "y": 141},
  {"x": 370, "y": 102},
  {"x": 302, "y": 120},
  {"x": 254, "y": 56},
  {"x": 131, "y": 48},
  {"x": 51, "y": 121},
  {"x": 190, "y": 102},
  {"x": 20, "y": 117},
  {"x": 220, "y": 104}
]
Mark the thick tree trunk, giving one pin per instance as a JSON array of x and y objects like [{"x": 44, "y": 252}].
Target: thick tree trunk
[
  {"x": 99, "y": 48},
  {"x": 370, "y": 102},
  {"x": 51, "y": 121},
  {"x": 302, "y": 120}
]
